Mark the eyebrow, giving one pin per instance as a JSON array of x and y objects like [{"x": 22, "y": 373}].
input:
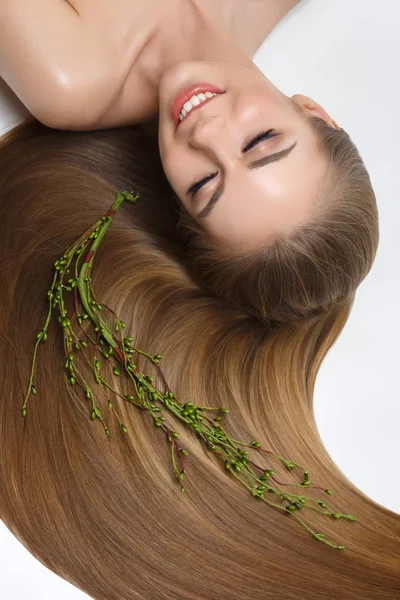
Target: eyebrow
[{"x": 257, "y": 164}]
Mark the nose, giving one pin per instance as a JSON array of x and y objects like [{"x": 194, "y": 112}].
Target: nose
[{"x": 212, "y": 134}]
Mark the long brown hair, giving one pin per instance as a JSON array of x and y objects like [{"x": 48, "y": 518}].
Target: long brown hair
[{"x": 106, "y": 513}]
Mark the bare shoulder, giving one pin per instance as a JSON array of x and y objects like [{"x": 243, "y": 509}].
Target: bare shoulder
[{"x": 69, "y": 62}]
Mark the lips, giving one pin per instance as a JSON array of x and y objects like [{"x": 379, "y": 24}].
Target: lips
[{"x": 186, "y": 94}]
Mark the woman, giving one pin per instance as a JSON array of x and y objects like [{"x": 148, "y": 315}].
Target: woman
[{"x": 243, "y": 315}]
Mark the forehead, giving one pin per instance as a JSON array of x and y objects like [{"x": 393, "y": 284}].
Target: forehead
[{"x": 259, "y": 203}]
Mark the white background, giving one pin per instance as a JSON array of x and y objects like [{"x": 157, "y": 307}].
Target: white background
[{"x": 345, "y": 55}]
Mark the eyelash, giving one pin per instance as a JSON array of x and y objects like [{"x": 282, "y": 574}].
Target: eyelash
[{"x": 263, "y": 135}]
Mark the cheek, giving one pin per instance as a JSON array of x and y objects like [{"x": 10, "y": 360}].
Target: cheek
[
  {"x": 272, "y": 105},
  {"x": 172, "y": 170}
]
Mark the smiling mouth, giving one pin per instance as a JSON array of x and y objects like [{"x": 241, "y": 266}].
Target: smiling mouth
[
  {"x": 195, "y": 103},
  {"x": 191, "y": 99}
]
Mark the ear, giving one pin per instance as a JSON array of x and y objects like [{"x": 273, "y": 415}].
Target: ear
[{"x": 311, "y": 108}]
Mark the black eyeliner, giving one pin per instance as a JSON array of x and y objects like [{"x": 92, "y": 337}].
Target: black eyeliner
[
  {"x": 260, "y": 136},
  {"x": 196, "y": 186}
]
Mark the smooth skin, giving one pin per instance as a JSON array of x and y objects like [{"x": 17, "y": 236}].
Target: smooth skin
[{"x": 93, "y": 64}]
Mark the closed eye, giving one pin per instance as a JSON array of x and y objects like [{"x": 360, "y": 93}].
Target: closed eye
[{"x": 263, "y": 135}]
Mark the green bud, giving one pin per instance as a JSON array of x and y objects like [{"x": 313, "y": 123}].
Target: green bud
[
  {"x": 65, "y": 322},
  {"x": 340, "y": 547},
  {"x": 289, "y": 465},
  {"x": 72, "y": 380},
  {"x": 33, "y": 389},
  {"x": 184, "y": 452},
  {"x": 329, "y": 492},
  {"x": 115, "y": 371},
  {"x": 97, "y": 363},
  {"x": 124, "y": 429},
  {"x": 218, "y": 418},
  {"x": 335, "y": 515},
  {"x": 255, "y": 444},
  {"x": 175, "y": 434},
  {"x": 322, "y": 504},
  {"x": 24, "y": 412},
  {"x": 93, "y": 415},
  {"x": 224, "y": 410},
  {"x": 45, "y": 336},
  {"x": 110, "y": 404}
]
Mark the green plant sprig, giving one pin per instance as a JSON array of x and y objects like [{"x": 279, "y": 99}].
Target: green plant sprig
[{"x": 111, "y": 348}]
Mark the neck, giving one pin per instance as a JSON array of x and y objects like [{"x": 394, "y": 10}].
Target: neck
[{"x": 187, "y": 33}]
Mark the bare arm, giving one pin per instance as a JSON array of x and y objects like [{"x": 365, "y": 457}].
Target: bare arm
[{"x": 59, "y": 67}]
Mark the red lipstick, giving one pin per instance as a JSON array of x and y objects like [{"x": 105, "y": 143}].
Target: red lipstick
[{"x": 186, "y": 94}]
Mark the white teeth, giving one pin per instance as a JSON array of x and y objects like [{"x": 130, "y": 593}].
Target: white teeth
[{"x": 194, "y": 101}]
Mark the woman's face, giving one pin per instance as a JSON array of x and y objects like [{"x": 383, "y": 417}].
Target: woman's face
[{"x": 261, "y": 187}]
